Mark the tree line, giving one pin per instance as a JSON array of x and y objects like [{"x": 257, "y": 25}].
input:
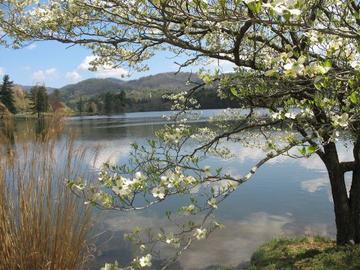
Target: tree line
[
  {"x": 38, "y": 97},
  {"x": 107, "y": 104}
]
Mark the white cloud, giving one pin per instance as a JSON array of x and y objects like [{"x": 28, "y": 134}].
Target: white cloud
[
  {"x": 2, "y": 71},
  {"x": 73, "y": 76},
  {"x": 40, "y": 76},
  {"x": 105, "y": 71},
  {"x": 85, "y": 64}
]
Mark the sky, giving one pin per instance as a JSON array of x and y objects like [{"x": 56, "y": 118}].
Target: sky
[{"x": 55, "y": 65}]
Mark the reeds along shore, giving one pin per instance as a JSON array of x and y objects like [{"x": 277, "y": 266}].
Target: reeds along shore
[{"x": 43, "y": 225}]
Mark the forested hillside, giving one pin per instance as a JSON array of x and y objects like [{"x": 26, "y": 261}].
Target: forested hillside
[{"x": 111, "y": 96}]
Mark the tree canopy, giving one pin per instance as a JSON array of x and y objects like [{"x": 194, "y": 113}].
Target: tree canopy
[{"x": 297, "y": 60}]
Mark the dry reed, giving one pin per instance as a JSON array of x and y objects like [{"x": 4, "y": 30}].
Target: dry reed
[{"x": 42, "y": 224}]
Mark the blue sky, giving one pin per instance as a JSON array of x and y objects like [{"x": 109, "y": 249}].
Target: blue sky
[{"x": 55, "y": 65}]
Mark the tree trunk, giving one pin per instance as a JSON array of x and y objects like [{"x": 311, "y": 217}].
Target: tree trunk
[
  {"x": 355, "y": 192},
  {"x": 344, "y": 224}
]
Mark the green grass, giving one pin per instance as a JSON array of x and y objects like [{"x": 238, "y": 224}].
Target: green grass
[{"x": 305, "y": 254}]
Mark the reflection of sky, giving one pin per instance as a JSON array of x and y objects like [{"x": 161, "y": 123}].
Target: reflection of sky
[
  {"x": 286, "y": 196},
  {"x": 231, "y": 246},
  {"x": 314, "y": 185}
]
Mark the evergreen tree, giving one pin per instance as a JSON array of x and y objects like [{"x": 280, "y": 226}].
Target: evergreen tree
[
  {"x": 80, "y": 105},
  {"x": 39, "y": 99},
  {"x": 119, "y": 102},
  {"x": 92, "y": 107},
  {"x": 57, "y": 95},
  {"x": 7, "y": 95},
  {"x": 108, "y": 103}
]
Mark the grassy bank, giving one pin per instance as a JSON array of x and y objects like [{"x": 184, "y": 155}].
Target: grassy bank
[{"x": 305, "y": 253}]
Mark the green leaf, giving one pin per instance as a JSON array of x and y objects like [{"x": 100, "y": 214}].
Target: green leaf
[
  {"x": 302, "y": 151},
  {"x": 255, "y": 6},
  {"x": 354, "y": 97},
  {"x": 234, "y": 91},
  {"x": 312, "y": 149},
  {"x": 327, "y": 63}
]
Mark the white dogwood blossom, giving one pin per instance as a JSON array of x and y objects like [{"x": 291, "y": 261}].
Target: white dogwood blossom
[{"x": 200, "y": 233}]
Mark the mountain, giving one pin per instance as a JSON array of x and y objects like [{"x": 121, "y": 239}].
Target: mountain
[
  {"x": 91, "y": 87},
  {"x": 164, "y": 81},
  {"x": 143, "y": 94},
  {"x": 27, "y": 88}
]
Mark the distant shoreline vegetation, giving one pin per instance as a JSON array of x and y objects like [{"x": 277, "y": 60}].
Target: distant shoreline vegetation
[{"x": 112, "y": 96}]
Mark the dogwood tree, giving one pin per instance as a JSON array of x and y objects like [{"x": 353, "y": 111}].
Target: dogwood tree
[{"x": 296, "y": 60}]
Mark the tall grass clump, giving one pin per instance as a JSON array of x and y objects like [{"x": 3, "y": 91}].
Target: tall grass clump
[{"x": 43, "y": 225}]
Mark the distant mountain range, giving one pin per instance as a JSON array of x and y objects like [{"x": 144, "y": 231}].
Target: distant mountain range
[
  {"x": 144, "y": 94},
  {"x": 91, "y": 87},
  {"x": 27, "y": 88}
]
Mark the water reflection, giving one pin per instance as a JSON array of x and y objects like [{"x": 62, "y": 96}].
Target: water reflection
[
  {"x": 314, "y": 185},
  {"x": 286, "y": 197}
]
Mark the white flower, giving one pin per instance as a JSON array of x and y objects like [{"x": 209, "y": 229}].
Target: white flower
[
  {"x": 190, "y": 180},
  {"x": 145, "y": 261},
  {"x": 168, "y": 240},
  {"x": 213, "y": 203},
  {"x": 200, "y": 233},
  {"x": 355, "y": 64},
  {"x": 110, "y": 266},
  {"x": 159, "y": 192},
  {"x": 341, "y": 120},
  {"x": 277, "y": 115},
  {"x": 295, "y": 12},
  {"x": 279, "y": 9},
  {"x": 249, "y": 1},
  {"x": 207, "y": 170},
  {"x": 288, "y": 66},
  {"x": 233, "y": 185},
  {"x": 290, "y": 115},
  {"x": 123, "y": 187},
  {"x": 171, "y": 240},
  {"x": 188, "y": 210},
  {"x": 138, "y": 175}
]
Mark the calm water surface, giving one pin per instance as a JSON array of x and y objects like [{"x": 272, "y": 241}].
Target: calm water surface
[{"x": 286, "y": 197}]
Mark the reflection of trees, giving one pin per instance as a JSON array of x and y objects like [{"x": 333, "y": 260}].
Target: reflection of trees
[
  {"x": 14, "y": 131},
  {"x": 8, "y": 134},
  {"x": 41, "y": 128},
  {"x": 114, "y": 128},
  {"x": 49, "y": 127},
  {"x": 8, "y": 130}
]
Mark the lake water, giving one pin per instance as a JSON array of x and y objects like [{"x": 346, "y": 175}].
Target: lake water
[{"x": 286, "y": 197}]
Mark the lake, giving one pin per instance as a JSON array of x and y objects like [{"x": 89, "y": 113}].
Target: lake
[{"x": 286, "y": 196}]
